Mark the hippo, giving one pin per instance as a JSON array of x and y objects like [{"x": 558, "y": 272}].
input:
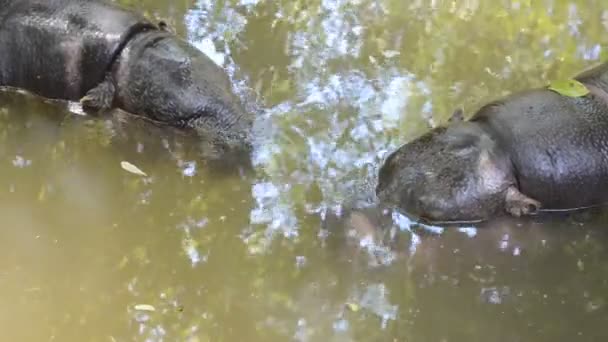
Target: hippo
[
  {"x": 532, "y": 151},
  {"x": 108, "y": 57}
]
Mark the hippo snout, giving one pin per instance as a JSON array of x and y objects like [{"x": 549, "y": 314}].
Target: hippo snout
[
  {"x": 427, "y": 199},
  {"x": 421, "y": 200},
  {"x": 227, "y": 133},
  {"x": 406, "y": 189},
  {"x": 432, "y": 208}
]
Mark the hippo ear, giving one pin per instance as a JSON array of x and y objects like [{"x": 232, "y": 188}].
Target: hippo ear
[
  {"x": 518, "y": 204},
  {"x": 457, "y": 116},
  {"x": 163, "y": 26}
]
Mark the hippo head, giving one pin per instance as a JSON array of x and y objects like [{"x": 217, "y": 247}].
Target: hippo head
[
  {"x": 167, "y": 79},
  {"x": 454, "y": 173}
]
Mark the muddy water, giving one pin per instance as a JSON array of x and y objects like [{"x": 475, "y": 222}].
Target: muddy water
[{"x": 274, "y": 253}]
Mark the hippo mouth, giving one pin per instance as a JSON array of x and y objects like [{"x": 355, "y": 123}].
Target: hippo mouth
[
  {"x": 423, "y": 212},
  {"x": 431, "y": 221}
]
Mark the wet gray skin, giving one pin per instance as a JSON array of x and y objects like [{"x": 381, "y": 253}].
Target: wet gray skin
[
  {"x": 534, "y": 150},
  {"x": 107, "y": 57}
]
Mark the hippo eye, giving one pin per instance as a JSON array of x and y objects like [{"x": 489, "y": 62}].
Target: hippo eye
[
  {"x": 463, "y": 141},
  {"x": 463, "y": 150},
  {"x": 462, "y": 144}
]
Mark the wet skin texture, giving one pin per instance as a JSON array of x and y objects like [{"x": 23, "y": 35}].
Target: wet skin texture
[
  {"x": 533, "y": 150},
  {"x": 108, "y": 57}
]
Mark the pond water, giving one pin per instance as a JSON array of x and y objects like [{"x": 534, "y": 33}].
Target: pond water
[{"x": 275, "y": 253}]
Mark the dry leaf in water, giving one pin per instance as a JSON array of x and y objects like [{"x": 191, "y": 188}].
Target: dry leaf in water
[{"x": 132, "y": 168}]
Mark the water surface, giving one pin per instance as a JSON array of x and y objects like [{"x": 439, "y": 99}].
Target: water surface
[{"x": 270, "y": 254}]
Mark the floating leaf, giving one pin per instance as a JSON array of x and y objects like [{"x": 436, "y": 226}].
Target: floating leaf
[
  {"x": 353, "y": 307},
  {"x": 144, "y": 307},
  {"x": 42, "y": 194},
  {"x": 132, "y": 168},
  {"x": 123, "y": 263},
  {"x": 571, "y": 88},
  {"x": 141, "y": 255}
]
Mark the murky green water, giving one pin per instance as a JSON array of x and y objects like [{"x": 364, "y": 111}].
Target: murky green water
[{"x": 231, "y": 255}]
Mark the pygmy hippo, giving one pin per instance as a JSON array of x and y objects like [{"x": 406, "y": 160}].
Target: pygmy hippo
[
  {"x": 108, "y": 57},
  {"x": 533, "y": 150}
]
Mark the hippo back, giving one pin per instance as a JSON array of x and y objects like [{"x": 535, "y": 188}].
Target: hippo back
[
  {"x": 558, "y": 145},
  {"x": 61, "y": 48}
]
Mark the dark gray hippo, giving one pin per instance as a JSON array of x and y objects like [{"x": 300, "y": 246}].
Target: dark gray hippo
[
  {"x": 109, "y": 57},
  {"x": 533, "y": 150}
]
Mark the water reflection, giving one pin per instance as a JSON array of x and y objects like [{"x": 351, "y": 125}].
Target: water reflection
[{"x": 296, "y": 248}]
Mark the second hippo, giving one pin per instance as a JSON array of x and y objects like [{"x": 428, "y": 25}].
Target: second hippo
[
  {"x": 534, "y": 150},
  {"x": 105, "y": 56}
]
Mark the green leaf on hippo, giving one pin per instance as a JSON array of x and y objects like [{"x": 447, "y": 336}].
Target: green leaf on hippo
[
  {"x": 144, "y": 307},
  {"x": 132, "y": 168},
  {"x": 570, "y": 88}
]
